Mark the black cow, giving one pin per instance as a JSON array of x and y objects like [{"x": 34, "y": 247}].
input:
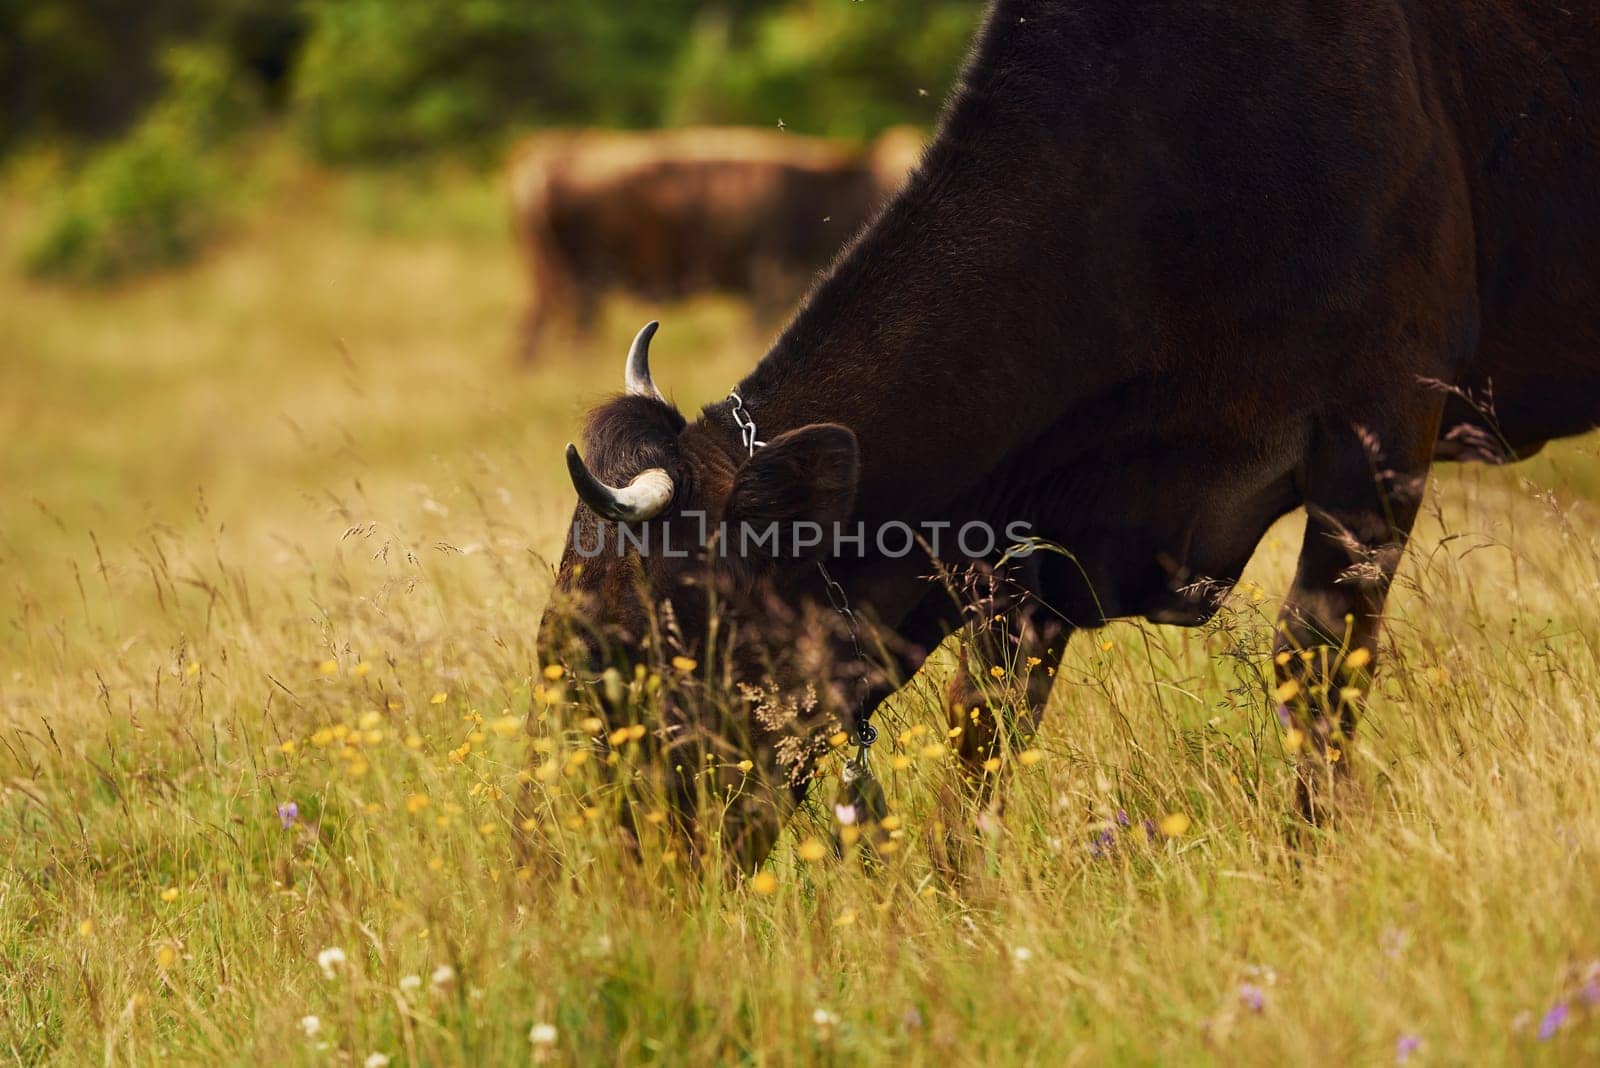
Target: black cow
[{"x": 1170, "y": 270}]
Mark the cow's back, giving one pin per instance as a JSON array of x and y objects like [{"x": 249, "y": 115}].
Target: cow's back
[
  {"x": 1521, "y": 82},
  {"x": 671, "y": 212}
]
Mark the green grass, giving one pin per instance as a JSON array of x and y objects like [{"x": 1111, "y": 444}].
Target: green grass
[{"x": 296, "y": 492}]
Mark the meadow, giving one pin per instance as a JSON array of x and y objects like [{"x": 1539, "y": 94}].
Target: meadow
[{"x": 275, "y": 533}]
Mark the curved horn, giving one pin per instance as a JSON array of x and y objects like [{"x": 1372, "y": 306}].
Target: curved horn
[
  {"x": 644, "y": 498},
  {"x": 637, "y": 376}
]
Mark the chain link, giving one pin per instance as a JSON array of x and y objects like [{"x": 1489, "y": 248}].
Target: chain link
[
  {"x": 742, "y": 420},
  {"x": 866, "y": 733}
]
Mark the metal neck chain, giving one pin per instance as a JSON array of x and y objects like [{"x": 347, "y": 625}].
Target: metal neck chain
[
  {"x": 742, "y": 420},
  {"x": 865, "y": 732}
]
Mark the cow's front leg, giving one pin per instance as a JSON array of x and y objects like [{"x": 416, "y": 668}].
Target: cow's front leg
[
  {"x": 1363, "y": 488},
  {"x": 1005, "y": 668}
]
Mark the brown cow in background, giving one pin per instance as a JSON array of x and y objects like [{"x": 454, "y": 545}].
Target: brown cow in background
[{"x": 666, "y": 214}]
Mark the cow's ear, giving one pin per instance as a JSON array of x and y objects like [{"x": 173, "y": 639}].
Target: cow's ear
[{"x": 807, "y": 475}]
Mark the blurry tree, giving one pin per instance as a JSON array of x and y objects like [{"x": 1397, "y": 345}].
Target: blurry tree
[
  {"x": 823, "y": 66},
  {"x": 389, "y": 77},
  {"x": 87, "y": 69},
  {"x": 377, "y": 79}
]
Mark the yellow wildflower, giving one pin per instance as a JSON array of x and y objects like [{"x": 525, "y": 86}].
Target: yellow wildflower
[{"x": 1173, "y": 824}]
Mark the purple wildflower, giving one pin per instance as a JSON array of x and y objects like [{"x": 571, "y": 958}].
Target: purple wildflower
[
  {"x": 1150, "y": 829},
  {"x": 1104, "y": 844},
  {"x": 1552, "y": 1021},
  {"x": 1253, "y": 997},
  {"x": 1405, "y": 1046},
  {"x": 1591, "y": 992},
  {"x": 1283, "y": 715},
  {"x": 288, "y": 813},
  {"x": 1122, "y": 818}
]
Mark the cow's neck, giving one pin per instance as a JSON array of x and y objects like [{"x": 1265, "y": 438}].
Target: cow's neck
[{"x": 962, "y": 324}]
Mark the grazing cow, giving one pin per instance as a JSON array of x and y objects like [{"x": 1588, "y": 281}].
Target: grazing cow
[
  {"x": 667, "y": 214},
  {"x": 1169, "y": 271}
]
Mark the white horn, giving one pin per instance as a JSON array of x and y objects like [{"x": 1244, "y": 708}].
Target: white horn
[
  {"x": 637, "y": 376},
  {"x": 646, "y": 497}
]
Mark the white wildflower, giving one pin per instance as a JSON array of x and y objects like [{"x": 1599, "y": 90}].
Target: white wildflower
[
  {"x": 376, "y": 1060},
  {"x": 410, "y": 984},
  {"x": 310, "y": 1025},
  {"x": 542, "y": 1034},
  {"x": 443, "y": 975},
  {"x": 330, "y": 961}
]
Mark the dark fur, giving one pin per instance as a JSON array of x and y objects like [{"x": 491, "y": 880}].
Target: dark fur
[
  {"x": 1175, "y": 267},
  {"x": 758, "y": 216}
]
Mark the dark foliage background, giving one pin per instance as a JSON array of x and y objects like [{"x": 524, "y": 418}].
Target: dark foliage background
[
  {"x": 378, "y": 79},
  {"x": 147, "y": 108}
]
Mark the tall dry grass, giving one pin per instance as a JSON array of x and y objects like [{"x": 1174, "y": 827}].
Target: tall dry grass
[{"x": 274, "y": 533}]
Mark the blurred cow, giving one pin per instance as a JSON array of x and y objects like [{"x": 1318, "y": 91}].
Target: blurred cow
[{"x": 669, "y": 213}]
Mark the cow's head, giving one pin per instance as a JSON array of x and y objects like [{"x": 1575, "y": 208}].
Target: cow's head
[{"x": 663, "y": 614}]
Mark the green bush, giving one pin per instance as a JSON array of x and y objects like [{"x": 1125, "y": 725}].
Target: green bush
[
  {"x": 382, "y": 79},
  {"x": 146, "y": 202},
  {"x": 152, "y": 199},
  {"x": 830, "y": 66}
]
